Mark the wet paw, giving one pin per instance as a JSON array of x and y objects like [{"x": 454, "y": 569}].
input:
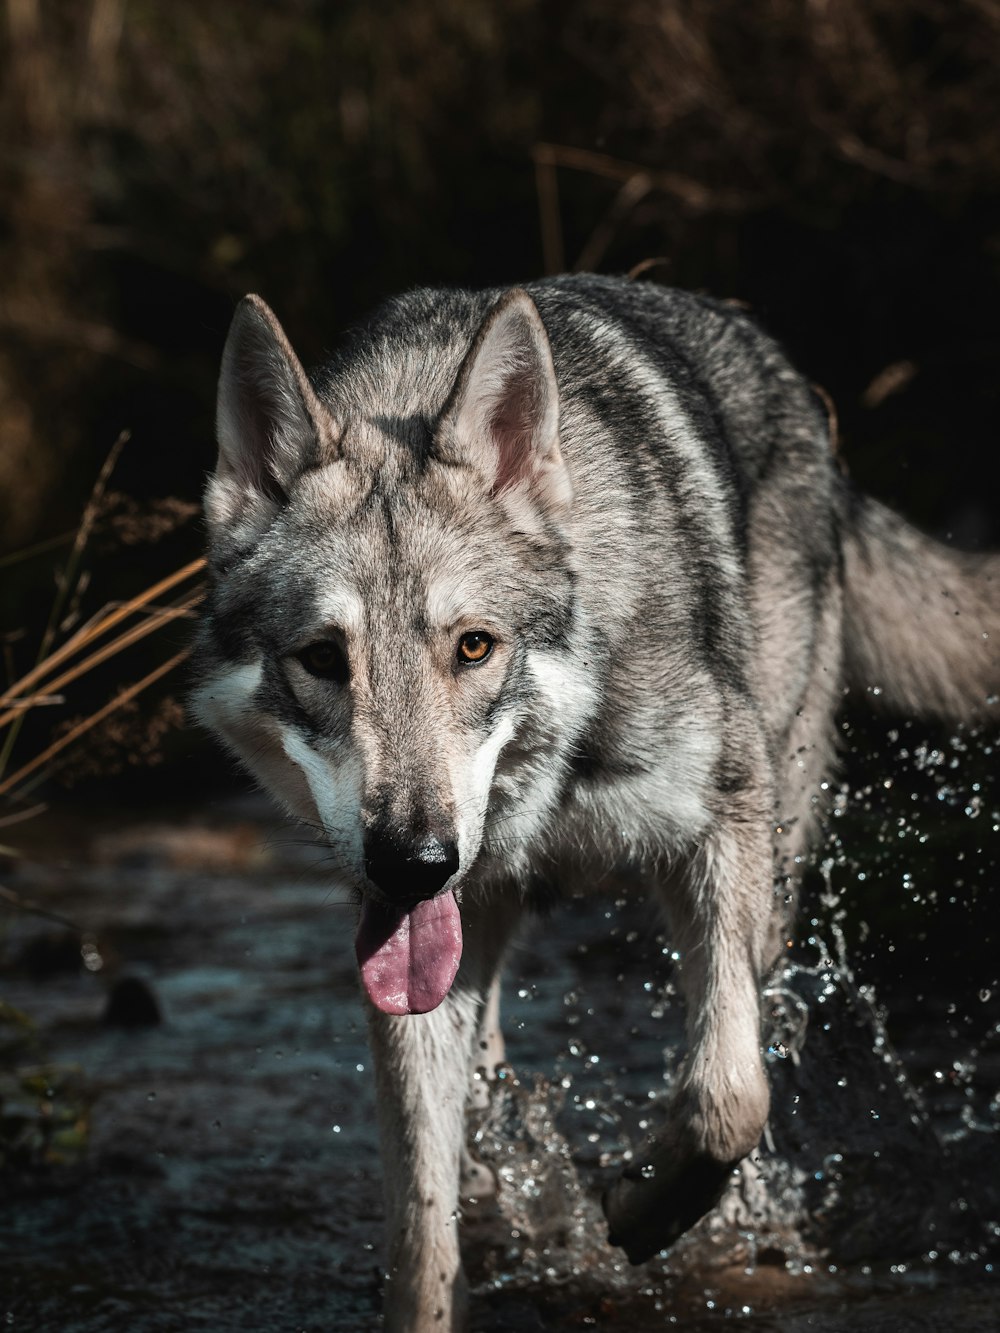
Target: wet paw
[{"x": 661, "y": 1197}]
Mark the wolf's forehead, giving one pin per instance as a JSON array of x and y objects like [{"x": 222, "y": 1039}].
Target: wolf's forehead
[
  {"x": 391, "y": 558},
  {"x": 416, "y": 600},
  {"x": 402, "y": 386}
]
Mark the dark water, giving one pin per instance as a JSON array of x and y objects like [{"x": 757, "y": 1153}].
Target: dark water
[{"x": 230, "y": 1179}]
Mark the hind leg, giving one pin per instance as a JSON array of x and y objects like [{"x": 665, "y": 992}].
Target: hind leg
[
  {"x": 719, "y": 906},
  {"x": 804, "y": 762},
  {"x": 799, "y": 679},
  {"x": 477, "y": 1181},
  {"x": 489, "y": 1051}
]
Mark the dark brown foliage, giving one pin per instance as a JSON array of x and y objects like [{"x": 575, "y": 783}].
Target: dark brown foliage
[{"x": 162, "y": 159}]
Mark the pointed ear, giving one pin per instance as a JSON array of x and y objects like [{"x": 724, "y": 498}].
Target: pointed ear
[
  {"x": 503, "y": 414},
  {"x": 269, "y": 422}
]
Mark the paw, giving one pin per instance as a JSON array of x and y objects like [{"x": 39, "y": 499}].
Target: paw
[{"x": 659, "y": 1198}]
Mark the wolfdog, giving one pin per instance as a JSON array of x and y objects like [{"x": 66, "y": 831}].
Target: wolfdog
[{"x": 526, "y": 587}]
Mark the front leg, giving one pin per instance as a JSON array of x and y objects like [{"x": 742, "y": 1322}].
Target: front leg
[
  {"x": 720, "y": 910},
  {"x": 422, "y": 1065}
]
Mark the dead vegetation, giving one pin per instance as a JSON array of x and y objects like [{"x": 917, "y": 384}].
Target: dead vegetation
[
  {"x": 71, "y": 648},
  {"x": 158, "y": 161}
]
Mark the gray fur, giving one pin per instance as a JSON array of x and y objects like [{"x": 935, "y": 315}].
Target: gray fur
[{"x": 632, "y": 491}]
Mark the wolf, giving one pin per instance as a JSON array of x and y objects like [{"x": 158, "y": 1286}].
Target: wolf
[{"x": 527, "y": 588}]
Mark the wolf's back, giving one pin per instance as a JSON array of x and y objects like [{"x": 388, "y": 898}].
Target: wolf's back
[{"x": 922, "y": 621}]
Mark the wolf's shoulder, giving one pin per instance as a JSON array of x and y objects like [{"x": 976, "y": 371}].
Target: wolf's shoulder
[
  {"x": 445, "y": 314},
  {"x": 703, "y": 332},
  {"x": 632, "y": 352}
]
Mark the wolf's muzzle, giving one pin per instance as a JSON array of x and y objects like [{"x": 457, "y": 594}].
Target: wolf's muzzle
[{"x": 409, "y": 872}]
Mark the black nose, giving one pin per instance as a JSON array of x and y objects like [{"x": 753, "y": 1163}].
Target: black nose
[{"x": 409, "y": 873}]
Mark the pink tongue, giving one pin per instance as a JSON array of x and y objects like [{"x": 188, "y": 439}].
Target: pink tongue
[{"x": 409, "y": 959}]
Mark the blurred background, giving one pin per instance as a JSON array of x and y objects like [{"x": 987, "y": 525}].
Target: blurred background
[{"x": 835, "y": 164}]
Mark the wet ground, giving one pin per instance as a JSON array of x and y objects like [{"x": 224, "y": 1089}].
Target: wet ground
[{"x": 190, "y": 1130}]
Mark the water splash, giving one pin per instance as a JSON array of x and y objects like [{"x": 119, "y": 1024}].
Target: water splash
[{"x": 856, "y": 1180}]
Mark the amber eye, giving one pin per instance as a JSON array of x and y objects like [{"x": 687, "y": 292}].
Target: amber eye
[
  {"x": 326, "y": 660},
  {"x": 475, "y": 647}
]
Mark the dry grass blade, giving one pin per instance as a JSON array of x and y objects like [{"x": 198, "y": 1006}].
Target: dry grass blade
[
  {"x": 547, "y": 190},
  {"x": 686, "y": 190},
  {"x": 631, "y": 193},
  {"x": 8, "y": 784},
  {"x": 45, "y": 700},
  {"x": 87, "y": 521},
  {"x": 160, "y": 616},
  {"x": 22, "y": 816},
  {"x": 36, "y": 909},
  {"x": 68, "y": 578},
  {"x": 94, "y": 629},
  {"x": 36, "y": 548}
]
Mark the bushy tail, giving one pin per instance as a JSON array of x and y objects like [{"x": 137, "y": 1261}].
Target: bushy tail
[{"x": 922, "y": 621}]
